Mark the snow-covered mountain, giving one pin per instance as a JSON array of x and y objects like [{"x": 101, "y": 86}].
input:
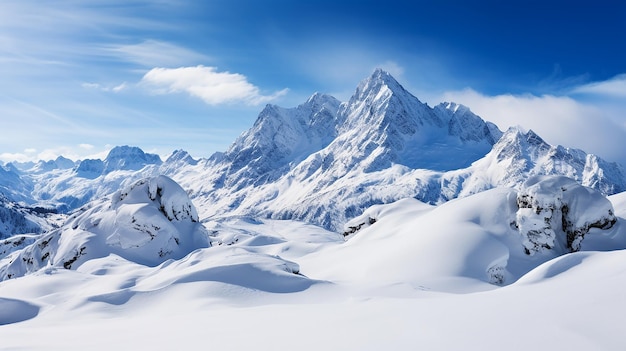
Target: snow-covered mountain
[
  {"x": 380, "y": 146},
  {"x": 70, "y": 188},
  {"x": 324, "y": 161},
  {"x": 519, "y": 155}
]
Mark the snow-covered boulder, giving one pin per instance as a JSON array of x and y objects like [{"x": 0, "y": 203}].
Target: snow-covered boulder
[
  {"x": 556, "y": 212},
  {"x": 149, "y": 222}
]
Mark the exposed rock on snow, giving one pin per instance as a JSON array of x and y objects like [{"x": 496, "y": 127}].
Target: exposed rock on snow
[
  {"x": 148, "y": 222},
  {"x": 557, "y": 213}
]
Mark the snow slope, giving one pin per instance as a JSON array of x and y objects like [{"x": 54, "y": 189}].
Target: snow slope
[{"x": 414, "y": 275}]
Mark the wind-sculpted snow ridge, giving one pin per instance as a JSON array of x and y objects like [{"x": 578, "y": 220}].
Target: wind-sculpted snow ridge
[{"x": 147, "y": 222}]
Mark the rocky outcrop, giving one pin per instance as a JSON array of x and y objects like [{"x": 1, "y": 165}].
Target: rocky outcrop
[{"x": 555, "y": 213}]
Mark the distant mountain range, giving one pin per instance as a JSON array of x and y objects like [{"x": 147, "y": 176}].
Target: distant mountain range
[{"x": 323, "y": 162}]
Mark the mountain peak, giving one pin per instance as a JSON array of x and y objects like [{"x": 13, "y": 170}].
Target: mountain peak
[
  {"x": 181, "y": 156},
  {"x": 517, "y": 134},
  {"x": 381, "y": 74},
  {"x": 128, "y": 158},
  {"x": 372, "y": 86}
]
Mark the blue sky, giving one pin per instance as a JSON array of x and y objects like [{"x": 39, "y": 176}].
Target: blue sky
[{"x": 79, "y": 77}]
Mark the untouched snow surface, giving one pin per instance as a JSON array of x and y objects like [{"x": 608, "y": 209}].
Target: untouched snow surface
[{"x": 410, "y": 275}]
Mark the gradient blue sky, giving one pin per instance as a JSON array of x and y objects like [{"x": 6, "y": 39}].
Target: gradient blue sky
[{"x": 78, "y": 77}]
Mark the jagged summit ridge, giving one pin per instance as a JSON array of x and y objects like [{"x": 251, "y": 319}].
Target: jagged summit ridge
[
  {"x": 388, "y": 125},
  {"x": 281, "y": 136},
  {"x": 521, "y": 154}
]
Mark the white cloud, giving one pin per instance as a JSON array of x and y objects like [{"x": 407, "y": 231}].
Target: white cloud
[
  {"x": 206, "y": 83},
  {"x": 615, "y": 87},
  {"x": 558, "y": 119},
  {"x": 30, "y": 150},
  {"x": 15, "y": 157},
  {"x": 86, "y": 146}
]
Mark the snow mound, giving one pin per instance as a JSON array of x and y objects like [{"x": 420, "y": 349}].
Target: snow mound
[
  {"x": 496, "y": 236},
  {"x": 557, "y": 213},
  {"x": 149, "y": 222}
]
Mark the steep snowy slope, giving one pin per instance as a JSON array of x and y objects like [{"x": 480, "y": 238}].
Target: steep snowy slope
[{"x": 13, "y": 185}]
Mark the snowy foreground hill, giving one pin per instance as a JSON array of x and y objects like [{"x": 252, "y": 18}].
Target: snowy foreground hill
[{"x": 377, "y": 223}]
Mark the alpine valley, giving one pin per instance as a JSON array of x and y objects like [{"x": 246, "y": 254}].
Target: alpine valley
[{"x": 375, "y": 223}]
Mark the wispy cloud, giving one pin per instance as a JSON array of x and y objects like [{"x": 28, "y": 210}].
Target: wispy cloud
[
  {"x": 155, "y": 53},
  {"x": 615, "y": 87},
  {"x": 208, "y": 84},
  {"x": 98, "y": 86}
]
